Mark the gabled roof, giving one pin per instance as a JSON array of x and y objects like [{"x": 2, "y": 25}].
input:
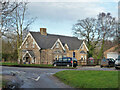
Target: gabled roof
[
  {"x": 115, "y": 48},
  {"x": 47, "y": 41},
  {"x": 30, "y": 52}
]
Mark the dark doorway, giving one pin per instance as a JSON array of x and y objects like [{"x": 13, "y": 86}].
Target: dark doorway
[{"x": 28, "y": 60}]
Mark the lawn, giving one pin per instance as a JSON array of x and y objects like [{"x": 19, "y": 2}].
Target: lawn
[
  {"x": 89, "y": 79},
  {"x": 8, "y": 63},
  {"x": 35, "y": 65},
  {"x": 16, "y": 64}
]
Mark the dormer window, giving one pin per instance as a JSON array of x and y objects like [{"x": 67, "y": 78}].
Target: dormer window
[
  {"x": 57, "y": 45},
  {"x": 33, "y": 44},
  {"x": 26, "y": 44}
]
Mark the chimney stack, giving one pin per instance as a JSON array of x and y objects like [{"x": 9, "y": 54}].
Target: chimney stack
[{"x": 43, "y": 31}]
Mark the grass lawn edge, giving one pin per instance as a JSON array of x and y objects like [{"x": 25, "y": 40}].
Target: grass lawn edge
[{"x": 65, "y": 78}]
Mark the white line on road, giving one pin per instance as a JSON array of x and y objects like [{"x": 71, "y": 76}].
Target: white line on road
[{"x": 36, "y": 78}]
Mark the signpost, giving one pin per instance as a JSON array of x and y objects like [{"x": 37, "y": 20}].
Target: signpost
[{"x": 73, "y": 57}]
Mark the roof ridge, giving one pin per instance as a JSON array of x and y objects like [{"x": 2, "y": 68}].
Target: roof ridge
[
  {"x": 62, "y": 35},
  {"x": 55, "y": 34}
]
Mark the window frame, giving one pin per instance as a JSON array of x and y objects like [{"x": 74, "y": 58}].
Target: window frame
[
  {"x": 26, "y": 44},
  {"x": 57, "y": 45},
  {"x": 33, "y": 45}
]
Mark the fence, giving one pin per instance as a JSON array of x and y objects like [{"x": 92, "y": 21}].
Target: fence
[{"x": 89, "y": 62}]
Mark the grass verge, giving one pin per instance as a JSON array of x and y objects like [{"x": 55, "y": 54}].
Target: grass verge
[
  {"x": 89, "y": 79},
  {"x": 34, "y": 65}
]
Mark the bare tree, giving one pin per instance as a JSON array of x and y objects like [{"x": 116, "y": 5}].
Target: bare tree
[
  {"x": 95, "y": 31},
  {"x": 107, "y": 26},
  {"x": 14, "y": 20},
  {"x": 86, "y": 29},
  {"x": 6, "y": 8},
  {"x": 20, "y": 24}
]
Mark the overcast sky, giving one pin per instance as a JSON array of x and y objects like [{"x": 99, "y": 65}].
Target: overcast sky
[{"x": 59, "y": 17}]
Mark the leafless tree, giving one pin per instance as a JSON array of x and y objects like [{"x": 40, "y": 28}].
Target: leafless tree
[
  {"x": 86, "y": 29},
  {"x": 96, "y": 30},
  {"x": 14, "y": 20},
  {"x": 6, "y": 8},
  {"x": 107, "y": 26}
]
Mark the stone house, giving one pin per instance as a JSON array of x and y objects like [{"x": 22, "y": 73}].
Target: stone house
[
  {"x": 43, "y": 48},
  {"x": 113, "y": 52}
]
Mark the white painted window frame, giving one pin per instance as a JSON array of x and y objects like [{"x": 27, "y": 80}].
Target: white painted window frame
[
  {"x": 33, "y": 45},
  {"x": 26, "y": 44}
]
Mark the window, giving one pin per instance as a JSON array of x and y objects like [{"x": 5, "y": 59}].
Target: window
[
  {"x": 57, "y": 45},
  {"x": 64, "y": 59},
  {"x": 85, "y": 58},
  {"x": 56, "y": 57},
  {"x": 57, "y": 51},
  {"x": 81, "y": 58},
  {"x": 60, "y": 59},
  {"x": 69, "y": 59},
  {"x": 60, "y": 56},
  {"x": 26, "y": 44},
  {"x": 64, "y": 56},
  {"x": 33, "y": 44}
]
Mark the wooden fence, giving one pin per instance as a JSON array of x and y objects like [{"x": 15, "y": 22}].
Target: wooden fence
[{"x": 88, "y": 62}]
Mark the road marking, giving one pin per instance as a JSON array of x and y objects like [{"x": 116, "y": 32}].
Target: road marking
[{"x": 36, "y": 78}]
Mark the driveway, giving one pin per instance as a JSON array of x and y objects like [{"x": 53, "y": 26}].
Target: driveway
[{"x": 40, "y": 77}]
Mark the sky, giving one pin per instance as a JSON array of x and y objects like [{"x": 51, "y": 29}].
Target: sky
[{"x": 59, "y": 16}]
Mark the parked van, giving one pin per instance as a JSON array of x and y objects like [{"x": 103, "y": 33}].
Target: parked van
[{"x": 65, "y": 61}]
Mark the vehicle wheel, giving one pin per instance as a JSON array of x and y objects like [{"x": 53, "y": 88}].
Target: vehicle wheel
[
  {"x": 74, "y": 66},
  {"x": 54, "y": 65},
  {"x": 101, "y": 66},
  {"x": 68, "y": 65}
]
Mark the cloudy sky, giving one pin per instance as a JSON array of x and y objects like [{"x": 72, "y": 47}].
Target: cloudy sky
[{"x": 59, "y": 16}]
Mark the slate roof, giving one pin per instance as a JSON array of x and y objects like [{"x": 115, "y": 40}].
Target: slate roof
[{"x": 48, "y": 41}]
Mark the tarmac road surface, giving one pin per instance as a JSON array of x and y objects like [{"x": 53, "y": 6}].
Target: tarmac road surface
[{"x": 34, "y": 77}]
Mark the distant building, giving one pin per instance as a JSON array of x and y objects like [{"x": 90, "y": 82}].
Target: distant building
[
  {"x": 113, "y": 52},
  {"x": 43, "y": 48}
]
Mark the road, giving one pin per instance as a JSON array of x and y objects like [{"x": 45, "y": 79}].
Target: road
[
  {"x": 35, "y": 77},
  {"x": 40, "y": 77}
]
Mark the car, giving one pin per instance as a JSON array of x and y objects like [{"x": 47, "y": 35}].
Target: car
[
  {"x": 117, "y": 63},
  {"x": 65, "y": 61},
  {"x": 107, "y": 62}
]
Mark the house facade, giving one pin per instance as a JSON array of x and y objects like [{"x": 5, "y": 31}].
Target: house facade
[
  {"x": 113, "y": 52},
  {"x": 43, "y": 48}
]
